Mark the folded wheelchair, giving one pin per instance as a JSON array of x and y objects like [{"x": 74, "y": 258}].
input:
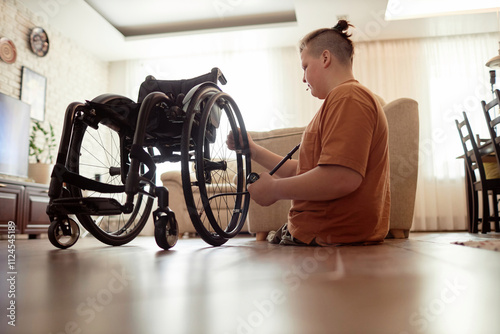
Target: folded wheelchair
[{"x": 104, "y": 175}]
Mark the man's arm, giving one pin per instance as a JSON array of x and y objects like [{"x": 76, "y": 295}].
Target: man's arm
[
  {"x": 269, "y": 160},
  {"x": 321, "y": 183}
]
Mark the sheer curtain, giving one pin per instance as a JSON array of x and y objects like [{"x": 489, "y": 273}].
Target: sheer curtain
[{"x": 446, "y": 75}]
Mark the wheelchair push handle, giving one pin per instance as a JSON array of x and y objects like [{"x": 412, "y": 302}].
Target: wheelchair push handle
[
  {"x": 219, "y": 76},
  {"x": 253, "y": 177}
]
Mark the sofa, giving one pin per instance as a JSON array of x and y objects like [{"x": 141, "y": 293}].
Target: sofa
[{"x": 402, "y": 117}]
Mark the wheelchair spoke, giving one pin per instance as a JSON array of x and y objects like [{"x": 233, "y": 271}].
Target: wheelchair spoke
[
  {"x": 106, "y": 148},
  {"x": 95, "y": 166}
]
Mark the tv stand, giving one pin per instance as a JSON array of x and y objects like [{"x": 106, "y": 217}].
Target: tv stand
[{"x": 24, "y": 203}]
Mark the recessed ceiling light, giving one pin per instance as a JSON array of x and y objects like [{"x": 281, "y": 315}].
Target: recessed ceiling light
[{"x": 411, "y": 9}]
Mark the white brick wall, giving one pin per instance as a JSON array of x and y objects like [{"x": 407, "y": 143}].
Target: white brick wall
[{"x": 72, "y": 73}]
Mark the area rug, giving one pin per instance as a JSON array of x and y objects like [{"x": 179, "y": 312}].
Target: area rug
[{"x": 493, "y": 245}]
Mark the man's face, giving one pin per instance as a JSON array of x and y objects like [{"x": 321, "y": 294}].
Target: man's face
[{"x": 313, "y": 71}]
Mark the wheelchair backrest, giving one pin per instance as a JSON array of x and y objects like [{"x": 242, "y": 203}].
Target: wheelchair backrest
[{"x": 177, "y": 87}]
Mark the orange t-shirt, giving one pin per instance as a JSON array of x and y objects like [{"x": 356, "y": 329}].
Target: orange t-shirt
[{"x": 349, "y": 130}]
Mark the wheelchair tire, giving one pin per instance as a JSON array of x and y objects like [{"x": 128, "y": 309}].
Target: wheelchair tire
[
  {"x": 166, "y": 230},
  {"x": 63, "y": 233},
  {"x": 98, "y": 154},
  {"x": 215, "y": 193}
]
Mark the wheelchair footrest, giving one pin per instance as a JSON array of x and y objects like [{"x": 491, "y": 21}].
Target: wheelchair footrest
[{"x": 86, "y": 205}]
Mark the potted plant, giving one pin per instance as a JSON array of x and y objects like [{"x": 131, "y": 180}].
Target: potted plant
[{"x": 42, "y": 148}]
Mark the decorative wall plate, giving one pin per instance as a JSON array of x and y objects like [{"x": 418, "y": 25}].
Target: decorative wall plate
[
  {"x": 8, "y": 51},
  {"x": 39, "y": 41}
]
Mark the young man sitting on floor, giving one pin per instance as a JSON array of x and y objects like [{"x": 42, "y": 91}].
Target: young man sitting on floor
[{"x": 339, "y": 186}]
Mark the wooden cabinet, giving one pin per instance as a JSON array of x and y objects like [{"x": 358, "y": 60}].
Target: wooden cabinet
[
  {"x": 24, "y": 203},
  {"x": 11, "y": 201}
]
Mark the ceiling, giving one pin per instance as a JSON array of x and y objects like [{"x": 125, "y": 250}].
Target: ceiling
[
  {"x": 129, "y": 29},
  {"x": 148, "y": 17}
]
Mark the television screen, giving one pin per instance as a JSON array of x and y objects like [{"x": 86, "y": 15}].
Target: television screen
[{"x": 14, "y": 136}]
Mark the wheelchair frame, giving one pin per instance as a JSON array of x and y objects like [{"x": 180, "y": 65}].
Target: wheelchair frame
[{"x": 183, "y": 120}]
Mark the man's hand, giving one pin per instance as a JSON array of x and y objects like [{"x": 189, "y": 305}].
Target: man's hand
[
  {"x": 262, "y": 191},
  {"x": 231, "y": 143}
]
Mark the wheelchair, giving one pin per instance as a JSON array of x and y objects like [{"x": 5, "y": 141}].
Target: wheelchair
[{"x": 104, "y": 176}]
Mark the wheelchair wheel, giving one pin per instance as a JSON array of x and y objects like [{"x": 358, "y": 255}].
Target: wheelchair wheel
[
  {"x": 213, "y": 177},
  {"x": 98, "y": 152},
  {"x": 166, "y": 230},
  {"x": 63, "y": 233}
]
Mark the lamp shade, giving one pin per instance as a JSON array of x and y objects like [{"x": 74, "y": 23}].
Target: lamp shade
[{"x": 495, "y": 61}]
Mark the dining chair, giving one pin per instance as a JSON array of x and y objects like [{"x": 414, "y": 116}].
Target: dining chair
[
  {"x": 493, "y": 122},
  {"x": 493, "y": 125},
  {"x": 479, "y": 183}
]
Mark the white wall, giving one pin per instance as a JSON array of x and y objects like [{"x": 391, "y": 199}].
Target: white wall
[{"x": 72, "y": 73}]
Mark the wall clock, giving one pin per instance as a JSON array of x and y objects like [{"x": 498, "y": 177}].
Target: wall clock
[
  {"x": 39, "y": 41},
  {"x": 8, "y": 51}
]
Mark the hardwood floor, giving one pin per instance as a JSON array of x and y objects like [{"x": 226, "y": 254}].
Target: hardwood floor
[{"x": 423, "y": 284}]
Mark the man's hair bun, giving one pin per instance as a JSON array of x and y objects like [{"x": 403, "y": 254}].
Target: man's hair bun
[{"x": 341, "y": 27}]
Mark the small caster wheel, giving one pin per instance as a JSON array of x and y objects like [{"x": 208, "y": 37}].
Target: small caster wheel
[
  {"x": 166, "y": 230},
  {"x": 63, "y": 233}
]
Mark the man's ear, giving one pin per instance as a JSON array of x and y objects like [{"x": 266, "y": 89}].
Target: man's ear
[{"x": 326, "y": 58}]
